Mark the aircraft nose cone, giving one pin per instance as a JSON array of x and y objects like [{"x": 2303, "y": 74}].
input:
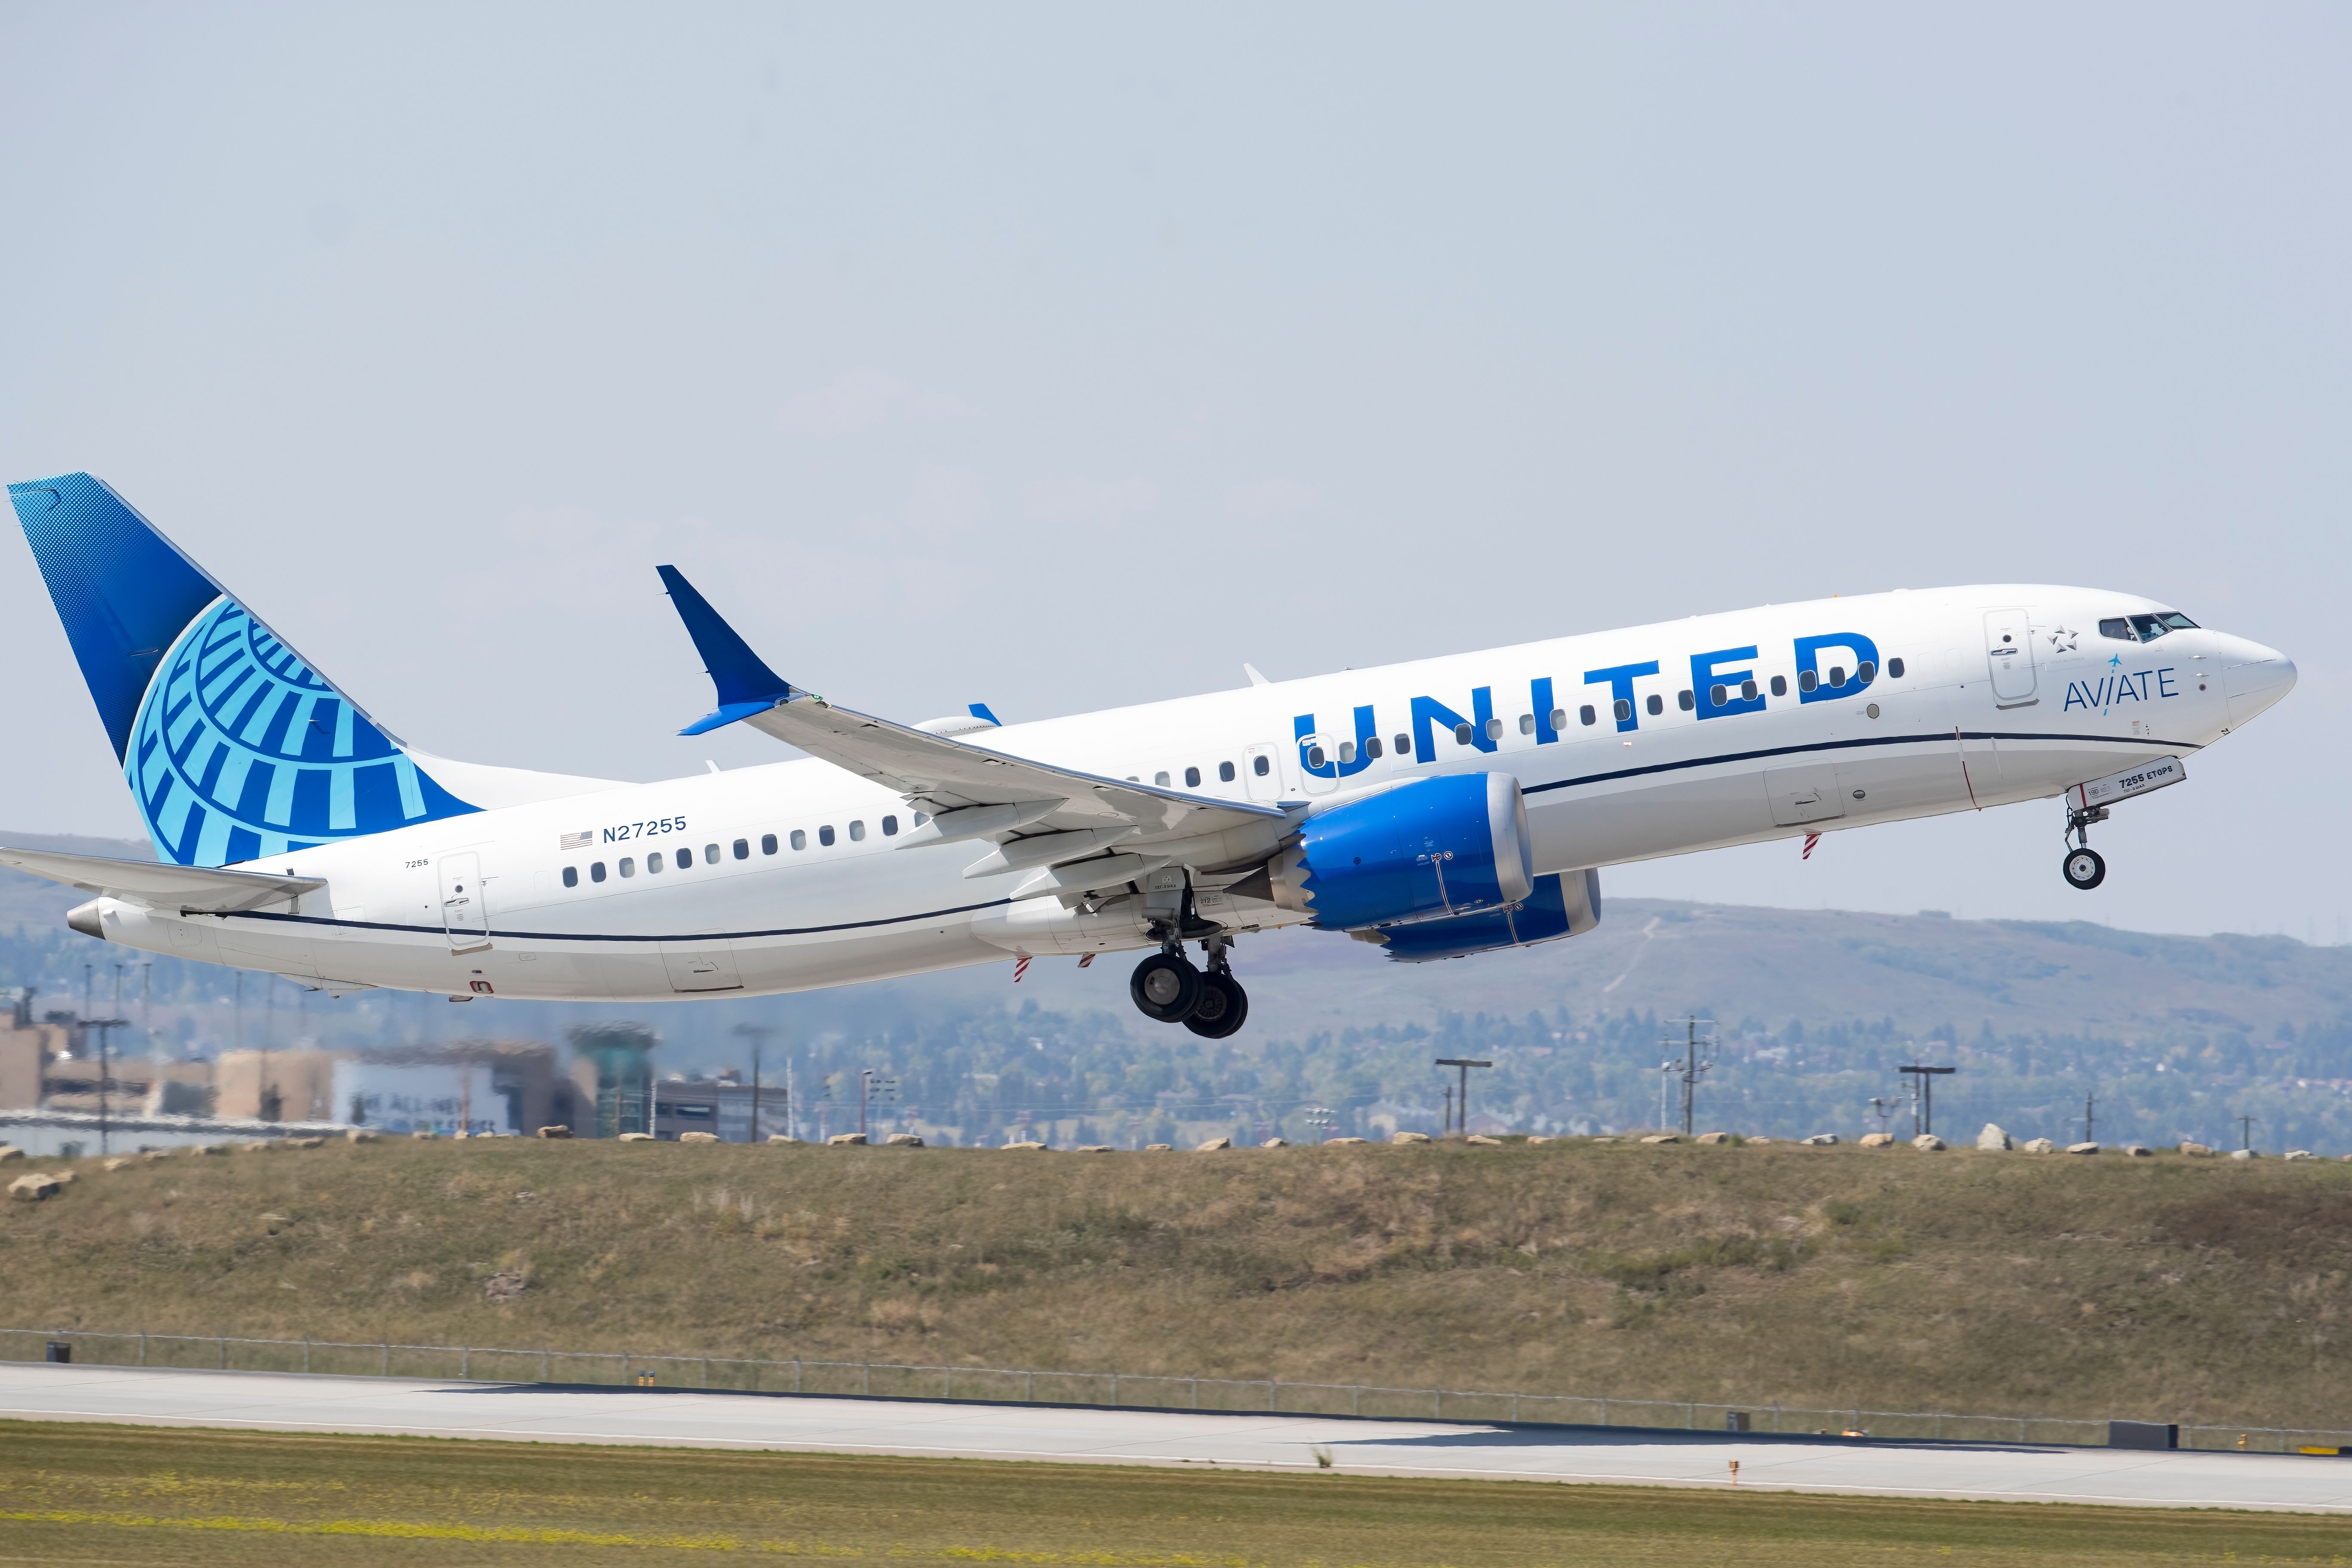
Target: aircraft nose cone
[{"x": 2259, "y": 678}]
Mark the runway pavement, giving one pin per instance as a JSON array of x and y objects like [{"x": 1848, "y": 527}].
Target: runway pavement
[{"x": 663, "y": 1417}]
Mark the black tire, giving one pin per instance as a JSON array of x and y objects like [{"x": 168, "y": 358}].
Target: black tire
[
  {"x": 2085, "y": 869},
  {"x": 1223, "y": 1007},
  {"x": 1166, "y": 987}
]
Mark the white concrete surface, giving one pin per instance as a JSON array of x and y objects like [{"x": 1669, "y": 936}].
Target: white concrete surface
[{"x": 530, "y": 1412}]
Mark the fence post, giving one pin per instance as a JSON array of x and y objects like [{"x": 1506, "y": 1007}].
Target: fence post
[
  {"x": 1690, "y": 1418},
  {"x": 1114, "y": 1388},
  {"x": 946, "y": 1382},
  {"x": 465, "y": 1362},
  {"x": 1437, "y": 1405},
  {"x": 1029, "y": 1386},
  {"x": 385, "y": 1370},
  {"x": 796, "y": 1374},
  {"x": 1273, "y": 1395},
  {"x": 544, "y": 1352},
  {"x": 866, "y": 1386},
  {"x": 1604, "y": 1410},
  {"x": 143, "y": 1352},
  {"x": 1196, "y": 1394},
  {"x": 224, "y": 1353},
  {"x": 706, "y": 1371},
  {"x": 1515, "y": 1407},
  {"x": 1356, "y": 1401}
]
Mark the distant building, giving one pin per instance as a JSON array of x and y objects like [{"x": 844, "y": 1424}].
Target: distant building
[
  {"x": 483, "y": 1085},
  {"x": 722, "y": 1105}
]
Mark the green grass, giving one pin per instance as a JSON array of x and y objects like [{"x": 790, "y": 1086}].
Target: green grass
[
  {"x": 77, "y": 1493},
  {"x": 2196, "y": 1290}
]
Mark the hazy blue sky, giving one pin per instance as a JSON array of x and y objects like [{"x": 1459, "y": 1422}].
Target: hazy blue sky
[{"x": 1059, "y": 357}]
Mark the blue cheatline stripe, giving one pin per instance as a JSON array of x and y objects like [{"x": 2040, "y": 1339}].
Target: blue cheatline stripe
[
  {"x": 677, "y": 936},
  {"x": 1937, "y": 738}
]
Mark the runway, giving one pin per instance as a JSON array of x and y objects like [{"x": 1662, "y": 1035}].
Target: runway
[{"x": 663, "y": 1417}]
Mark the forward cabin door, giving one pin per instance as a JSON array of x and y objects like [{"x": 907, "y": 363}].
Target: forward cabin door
[
  {"x": 465, "y": 912},
  {"x": 2008, "y": 647},
  {"x": 1262, "y": 767}
]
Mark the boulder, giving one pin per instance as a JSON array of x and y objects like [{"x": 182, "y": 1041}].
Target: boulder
[
  {"x": 1759, "y": 1140},
  {"x": 708, "y": 1138},
  {"x": 1992, "y": 1137},
  {"x": 1359, "y": 1141},
  {"x": 2082, "y": 1148},
  {"x": 1158, "y": 1148},
  {"x": 1094, "y": 1148},
  {"x": 782, "y": 1138},
  {"x": 361, "y": 1135},
  {"x": 312, "y": 1143},
  {"x": 1025, "y": 1144},
  {"x": 2196, "y": 1150},
  {"x": 1482, "y": 1140},
  {"x": 35, "y": 1185},
  {"x": 556, "y": 1132},
  {"x": 2139, "y": 1150},
  {"x": 155, "y": 1154},
  {"x": 1878, "y": 1139},
  {"x": 1605, "y": 1138},
  {"x": 636, "y": 1138},
  {"x": 1410, "y": 1138},
  {"x": 903, "y": 1140},
  {"x": 1212, "y": 1145},
  {"x": 259, "y": 1145},
  {"x": 1928, "y": 1143},
  {"x": 67, "y": 1178},
  {"x": 118, "y": 1162},
  {"x": 2243, "y": 1155},
  {"x": 1276, "y": 1143},
  {"x": 1820, "y": 1139},
  {"x": 846, "y": 1140},
  {"x": 2300, "y": 1154},
  {"x": 1714, "y": 1138},
  {"x": 1662, "y": 1137},
  {"x": 10, "y": 1152},
  {"x": 422, "y": 1135},
  {"x": 2040, "y": 1146},
  {"x": 223, "y": 1149}
]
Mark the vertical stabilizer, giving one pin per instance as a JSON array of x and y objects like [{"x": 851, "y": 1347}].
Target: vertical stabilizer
[{"x": 234, "y": 747}]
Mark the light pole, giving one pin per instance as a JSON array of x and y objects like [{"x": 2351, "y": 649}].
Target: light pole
[
  {"x": 1462, "y": 1101},
  {"x": 1926, "y": 1120},
  {"x": 758, "y": 1034}
]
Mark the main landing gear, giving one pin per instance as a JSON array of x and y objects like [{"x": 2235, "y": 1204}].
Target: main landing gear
[
  {"x": 2084, "y": 866},
  {"x": 1167, "y": 989}
]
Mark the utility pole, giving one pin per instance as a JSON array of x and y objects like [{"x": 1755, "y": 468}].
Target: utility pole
[
  {"x": 865, "y": 1082},
  {"x": 1692, "y": 1070},
  {"x": 1445, "y": 1123},
  {"x": 1461, "y": 1101},
  {"x": 2089, "y": 1099},
  {"x": 2246, "y": 1130},
  {"x": 758, "y": 1034},
  {"x": 1925, "y": 1122}
]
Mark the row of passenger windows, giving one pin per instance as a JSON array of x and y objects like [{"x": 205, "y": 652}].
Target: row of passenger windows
[
  {"x": 683, "y": 858},
  {"x": 1621, "y": 709},
  {"x": 1258, "y": 765}
]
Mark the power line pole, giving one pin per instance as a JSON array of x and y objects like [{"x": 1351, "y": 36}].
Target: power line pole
[
  {"x": 1462, "y": 1102},
  {"x": 1693, "y": 1069},
  {"x": 1925, "y": 1122},
  {"x": 2246, "y": 1130},
  {"x": 1445, "y": 1117},
  {"x": 758, "y": 1034},
  {"x": 2089, "y": 1100}
]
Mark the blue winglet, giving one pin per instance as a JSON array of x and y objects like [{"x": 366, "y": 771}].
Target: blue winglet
[
  {"x": 746, "y": 685},
  {"x": 980, "y": 711}
]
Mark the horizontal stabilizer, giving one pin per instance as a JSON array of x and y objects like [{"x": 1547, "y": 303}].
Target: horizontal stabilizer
[{"x": 191, "y": 889}]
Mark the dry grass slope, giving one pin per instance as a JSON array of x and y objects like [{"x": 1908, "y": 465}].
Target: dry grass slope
[{"x": 2168, "y": 1288}]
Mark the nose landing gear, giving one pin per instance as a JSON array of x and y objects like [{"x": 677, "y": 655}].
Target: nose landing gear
[
  {"x": 1167, "y": 989},
  {"x": 2084, "y": 867}
]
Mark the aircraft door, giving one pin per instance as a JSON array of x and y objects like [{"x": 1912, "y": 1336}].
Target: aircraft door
[
  {"x": 1311, "y": 747},
  {"x": 465, "y": 912},
  {"x": 1804, "y": 794},
  {"x": 1263, "y": 770},
  {"x": 2009, "y": 645}
]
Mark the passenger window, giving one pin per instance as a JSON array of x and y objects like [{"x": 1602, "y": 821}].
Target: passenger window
[
  {"x": 1865, "y": 672},
  {"x": 857, "y": 833},
  {"x": 1192, "y": 778},
  {"x": 1347, "y": 751},
  {"x": 653, "y": 863},
  {"x": 2117, "y": 628},
  {"x": 1622, "y": 708},
  {"x": 1493, "y": 729},
  {"x": 825, "y": 836},
  {"x": 1585, "y": 715},
  {"x": 1837, "y": 676},
  {"x": 889, "y": 827},
  {"x": 1747, "y": 691},
  {"x": 628, "y": 865},
  {"x": 1716, "y": 695},
  {"x": 1559, "y": 719},
  {"x": 571, "y": 875},
  {"x": 596, "y": 872},
  {"x": 1315, "y": 756},
  {"x": 768, "y": 843},
  {"x": 710, "y": 854},
  {"x": 1405, "y": 745},
  {"x": 1894, "y": 669},
  {"x": 1656, "y": 705},
  {"x": 1526, "y": 723},
  {"x": 742, "y": 849},
  {"x": 1806, "y": 681},
  {"x": 1461, "y": 733},
  {"x": 686, "y": 860},
  {"x": 1780, "y": 686},
  {"x": 1161, "y": 779},
  {"x": 799, "y": 839},
  {"x": 1684, "y": 700},
  {"x": 1372, "y": 746},
  {"x": 1225, "y": 773},
  {"x": 1259, "y": 766}
]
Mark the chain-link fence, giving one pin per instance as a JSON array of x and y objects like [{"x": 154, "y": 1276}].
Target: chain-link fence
[{"x": 1155, "y": 1391}]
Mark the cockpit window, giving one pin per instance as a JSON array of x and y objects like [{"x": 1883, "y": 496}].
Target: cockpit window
[{"x": 2145, "y": 628}]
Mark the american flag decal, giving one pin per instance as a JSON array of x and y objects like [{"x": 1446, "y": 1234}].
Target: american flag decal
[{"x": 576, "y": 840}]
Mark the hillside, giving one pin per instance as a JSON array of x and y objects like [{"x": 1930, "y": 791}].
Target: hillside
[{"x": 2161, "y": 1288}]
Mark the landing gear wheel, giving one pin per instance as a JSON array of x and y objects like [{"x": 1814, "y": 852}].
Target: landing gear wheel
[
  {"x": 1166, "y": 987},
  {"x": 2084, "y": 867},
  {"x": 1222, "y": 1009}
]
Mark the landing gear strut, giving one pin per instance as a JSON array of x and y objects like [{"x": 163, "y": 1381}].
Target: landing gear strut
[
  {"x": 1167, "y": 989},
  {"x": 2084, "y": 867}
]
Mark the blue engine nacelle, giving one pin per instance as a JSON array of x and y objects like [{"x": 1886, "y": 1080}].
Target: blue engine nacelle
[
  {"x": 1565, "y": 905},
  {"x": 1433, "y": 849}
]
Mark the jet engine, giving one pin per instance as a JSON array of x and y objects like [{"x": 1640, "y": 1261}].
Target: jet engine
[{"x": 1428, "y": 851}]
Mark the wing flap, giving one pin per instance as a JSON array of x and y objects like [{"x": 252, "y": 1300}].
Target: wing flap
[{"x": 160, "y": 885}]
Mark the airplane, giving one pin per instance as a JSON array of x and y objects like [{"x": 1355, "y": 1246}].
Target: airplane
[{"x": 1438, "y": 809}]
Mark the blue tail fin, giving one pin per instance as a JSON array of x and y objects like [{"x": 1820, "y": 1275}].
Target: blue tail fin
[{"x": 232, "y": 746}]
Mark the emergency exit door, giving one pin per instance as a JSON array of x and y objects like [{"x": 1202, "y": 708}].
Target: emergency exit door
[
  {"x": 2008, "y": 647},
  {"x": 465, "y": 912}
]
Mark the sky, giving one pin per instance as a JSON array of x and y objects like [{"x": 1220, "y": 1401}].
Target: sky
[{"x": 1059, "y": 357}]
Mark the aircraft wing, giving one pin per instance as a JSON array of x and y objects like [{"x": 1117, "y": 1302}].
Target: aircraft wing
[
  {"x": 939, "y": 774},
  {"x": 188, "y": 889}
]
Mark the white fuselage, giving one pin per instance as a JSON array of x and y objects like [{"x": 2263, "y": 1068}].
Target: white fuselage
[{"x": 1948, "y": 733}]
